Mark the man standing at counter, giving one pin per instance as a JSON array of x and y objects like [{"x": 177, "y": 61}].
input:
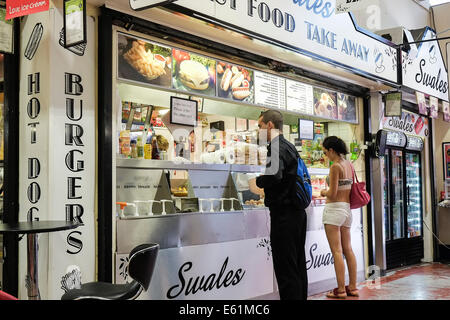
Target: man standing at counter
[{"x": 287, "y": 218}]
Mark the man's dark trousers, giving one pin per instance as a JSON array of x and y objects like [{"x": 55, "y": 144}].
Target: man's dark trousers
[{"x": 287, "y": 237}]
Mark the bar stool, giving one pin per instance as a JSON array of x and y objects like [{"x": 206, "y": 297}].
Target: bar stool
[{"x": 140, "y": 268}]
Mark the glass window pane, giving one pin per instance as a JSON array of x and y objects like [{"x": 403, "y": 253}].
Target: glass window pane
[
  {"x": 398, "y": 196},
  {"x": 387, "y": 222},
  {"x": 414, "y": 200}
]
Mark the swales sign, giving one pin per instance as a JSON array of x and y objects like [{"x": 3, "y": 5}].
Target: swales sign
[
  {"x": 306, "y": 26},
  {"x": 426, "y": 72}
]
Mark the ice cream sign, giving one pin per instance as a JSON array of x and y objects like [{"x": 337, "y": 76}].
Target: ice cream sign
[
  {"x": 409, "y": 123},
  {"x": 309, "y": 27},
  {"x": 18, "y": 8},
  {"x": 426, "y": 72}
]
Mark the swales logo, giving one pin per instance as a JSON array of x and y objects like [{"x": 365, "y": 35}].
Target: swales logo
[{"x": 191, "y": 284}]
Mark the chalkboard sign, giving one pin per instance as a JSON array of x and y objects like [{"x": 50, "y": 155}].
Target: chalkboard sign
[{"x": 183, "y": 111}]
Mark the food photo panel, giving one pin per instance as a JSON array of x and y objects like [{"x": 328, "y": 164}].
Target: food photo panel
[
  {"x": 193, "y": 73},
  {"x": 144, "y": 61},
  {"x": 235, "y": 82},
  {"x": 346, "y": 107},
  {"x": 325, "y": 104}
]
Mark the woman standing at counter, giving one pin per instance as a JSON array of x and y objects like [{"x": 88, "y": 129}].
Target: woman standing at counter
[{"x": 337, "y": 216}]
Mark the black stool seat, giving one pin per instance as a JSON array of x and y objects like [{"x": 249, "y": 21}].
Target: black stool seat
[
  {"x": 104, "y": 291},
  {"x": 142, "y": 260}
]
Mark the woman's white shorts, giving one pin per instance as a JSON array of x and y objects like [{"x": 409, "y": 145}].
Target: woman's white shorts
[{"x": 337, "y": 214}]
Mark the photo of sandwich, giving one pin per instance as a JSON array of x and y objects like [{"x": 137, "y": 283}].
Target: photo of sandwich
[
  {"x": 325, "y": 104},
  {"x": 144, "y": 61},
  {"x": 235, "y": 82},
  {"x": 346, "y": 107},
  {"x": 33, "y": 41},
  {"x": 193, "y": 73}
]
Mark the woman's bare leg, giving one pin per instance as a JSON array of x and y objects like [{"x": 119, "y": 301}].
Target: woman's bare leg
[
  {"x": 349, "y": 256},
  {"x": 334, "y": 240}
]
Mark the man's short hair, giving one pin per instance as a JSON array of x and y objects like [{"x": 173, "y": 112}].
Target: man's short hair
[{"x": 272, "y": 115}]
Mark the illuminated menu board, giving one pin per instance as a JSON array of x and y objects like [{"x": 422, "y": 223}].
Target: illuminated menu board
[
  {"x": 299, "y": 97},
  {"x": 270, "y": 90}
]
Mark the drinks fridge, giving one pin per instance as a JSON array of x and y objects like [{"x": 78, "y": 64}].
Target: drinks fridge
[{"x": 403, "y": 201}]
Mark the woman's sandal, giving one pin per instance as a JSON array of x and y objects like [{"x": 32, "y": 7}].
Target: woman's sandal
[
  {"x": 352, "y": 293},
  {"x": 336, "y": 294}
]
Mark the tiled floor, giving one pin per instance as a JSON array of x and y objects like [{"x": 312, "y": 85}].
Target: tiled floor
[{"x": 429, "y": 281}]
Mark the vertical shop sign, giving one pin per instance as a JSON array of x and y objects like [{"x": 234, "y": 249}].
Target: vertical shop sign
[
  {"x": 72, "y": 149},
  {"x": 33, "y": 138},
  {"x": 57, "y": 149},
  {"x": 18, "y": 8}
]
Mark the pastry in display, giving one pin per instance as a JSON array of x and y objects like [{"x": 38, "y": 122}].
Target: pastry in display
[{"x": 144, "y": 61}]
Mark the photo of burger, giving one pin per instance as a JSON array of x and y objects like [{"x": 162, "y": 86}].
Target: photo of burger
[
  {"x": 346, "y": 107},
  {"x": 235, "y": 82},
  {"x": 193, "y": 73},
  {"x": 325, "y": 104},
  {"x": 144, "y": 61}
]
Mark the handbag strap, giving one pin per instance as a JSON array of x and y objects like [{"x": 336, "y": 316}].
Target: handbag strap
[{"x": 354, "y": 173}]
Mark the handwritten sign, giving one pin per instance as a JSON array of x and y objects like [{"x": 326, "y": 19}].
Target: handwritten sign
[{"x": 183, "y": 111}]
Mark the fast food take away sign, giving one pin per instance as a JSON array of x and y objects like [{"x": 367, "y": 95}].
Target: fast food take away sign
[{"x": 18, "y": 8}]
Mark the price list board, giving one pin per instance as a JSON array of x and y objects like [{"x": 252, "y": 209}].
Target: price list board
[
  {"x": 299, "y": 97},
  {"x": 270, "y": 91}
]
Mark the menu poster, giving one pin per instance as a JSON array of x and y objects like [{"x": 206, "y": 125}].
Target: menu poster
[
  {"x": 299, "y": 97},
  {"x": 144, "y": 61},
  {"x": 235, "y": 82},
  {"x": 305, "y": 129},
  {"x": 183, "y": 111},
  {"x": 325, "y": 103},
  {"x": 421, "y": 102},
  {"x": 446, "y": 111},
  {"x": 193, "y": 73},
  {"x": 446, "y": 150},
  {"x": 270, "y": 90},
  {"x": 346, "y": 107},
  {"x": 6, "y": 33},
  {"x": 434, "y": 102}
]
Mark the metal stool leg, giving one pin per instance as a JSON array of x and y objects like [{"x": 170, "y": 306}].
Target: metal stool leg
[{"x": 32, "y": 266}]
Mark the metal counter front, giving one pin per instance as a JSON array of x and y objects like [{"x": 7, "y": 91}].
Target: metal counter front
[{"x": 224, "y": 255}]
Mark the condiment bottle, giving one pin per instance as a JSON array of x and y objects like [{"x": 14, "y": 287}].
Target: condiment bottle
[
  {"x": 134, "y": 153},
  {"x": 140, "y": 145},
  {"x": 147, "y": 146}
]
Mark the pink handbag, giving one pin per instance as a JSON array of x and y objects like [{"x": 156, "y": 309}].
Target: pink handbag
[{"x": 359, "y": 197}]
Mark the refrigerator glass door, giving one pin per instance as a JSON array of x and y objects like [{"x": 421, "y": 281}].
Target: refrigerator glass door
[
  {"x": 414, "y": 194},
  {"x": 387, "y": 221},
  {"x": 398, "y": 196}
]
